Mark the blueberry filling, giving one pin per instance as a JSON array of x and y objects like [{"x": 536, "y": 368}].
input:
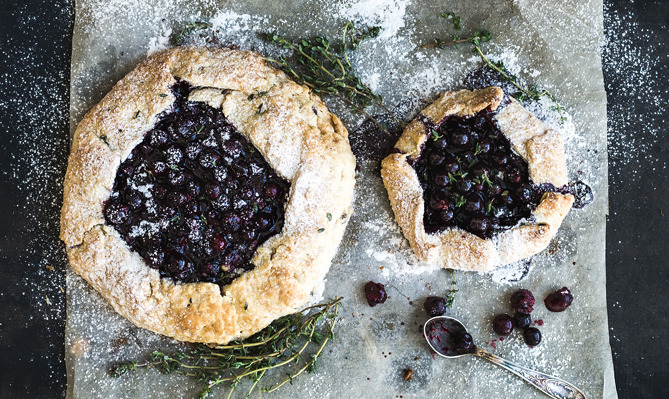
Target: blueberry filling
[
  {"x": 471, "y": 179},
  {"x": 195, "y": 198}
]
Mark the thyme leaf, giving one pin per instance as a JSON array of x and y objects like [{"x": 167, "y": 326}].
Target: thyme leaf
[
  {"x": 460, "y": 200},
  {"x": 450, "y": 294},
  {"x": 456, "y": 19}
]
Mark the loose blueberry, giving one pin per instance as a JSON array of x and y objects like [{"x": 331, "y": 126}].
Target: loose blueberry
[
  {"x": 440, "y": 144},
  {"x": 176, "y": 177},
  {"x": 500, "y": 158},
  {"x": 451, "y": 167},
  {"x": 514, "y": 176},
  {"x": 502, "y": 324},
  {"x": 218, "y": 243},
  {"x": 522, "y": 320},
  {"x": 532, "y": 336},
  {"x": 117, "y": 213},
  {"x": 446, "y": 216},
  {"x": 439, "y": 202},
  {"x": 375, "y": 293},
  {"x": 523, "y": 194},
  {"x": 559, "y": 300},
  {"x": 159, "y": 168},
  {"x": 494, "y": 189},
  {"x": 522, "y": 301},
  {"x": 435, "y": 306},
  {"x": 485, "y": 146}
]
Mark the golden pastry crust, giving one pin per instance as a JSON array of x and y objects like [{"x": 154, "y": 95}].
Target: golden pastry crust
[
  {"x": 298, "y": 137},
  {"x": 455, "y": 248}
]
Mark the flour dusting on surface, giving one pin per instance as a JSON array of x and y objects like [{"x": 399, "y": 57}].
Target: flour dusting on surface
[{"x": 408, "y": 78}]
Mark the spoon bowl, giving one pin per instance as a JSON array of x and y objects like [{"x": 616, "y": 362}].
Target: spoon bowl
[
  {"x": 447, "y": 337},
  {"x": 439, "y": 332}
]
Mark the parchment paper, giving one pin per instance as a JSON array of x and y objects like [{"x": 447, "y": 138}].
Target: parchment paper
[{"x": 555, "y": 44}]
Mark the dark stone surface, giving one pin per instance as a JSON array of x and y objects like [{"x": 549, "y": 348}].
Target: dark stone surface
[
  {"x": 638, "y": 223},
  {"x": 35, "y": 41}
]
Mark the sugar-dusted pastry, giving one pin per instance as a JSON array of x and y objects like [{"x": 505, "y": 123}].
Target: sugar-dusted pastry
[
  {"x": 474, "y": 185},
  {"x": 207, "y": 194}
]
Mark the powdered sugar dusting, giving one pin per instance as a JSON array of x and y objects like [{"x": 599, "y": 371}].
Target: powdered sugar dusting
[
  {"x": 388, "y": 14},
  {"x": 374, "y": 249},
  {"x": 642, "y": 73}
]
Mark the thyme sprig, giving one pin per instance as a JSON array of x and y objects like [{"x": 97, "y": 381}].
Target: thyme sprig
[
  {"x": 450, "y": 294},
  {"x": 523, "y": 94},
  {"x": 326, "y": 69},
  {"x": 293, "y": 342}
]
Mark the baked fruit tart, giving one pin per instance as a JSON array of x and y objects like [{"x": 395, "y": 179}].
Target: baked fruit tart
[
  {"x": 475, "y": 185},
  {"x": 206, "y": 194}
]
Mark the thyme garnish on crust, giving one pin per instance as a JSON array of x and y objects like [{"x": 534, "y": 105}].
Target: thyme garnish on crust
[
  {"x": 325, "y": 67},
  {"x": 293, "y": 342},
  {"x": 481, "y": 36}
]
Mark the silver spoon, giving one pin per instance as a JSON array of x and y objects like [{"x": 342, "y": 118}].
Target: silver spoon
[{"x": 445, "y": 336}]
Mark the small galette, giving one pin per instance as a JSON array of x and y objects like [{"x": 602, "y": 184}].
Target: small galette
[
  {"x": 207, "y": 194},
  {"x": 475, "y": 185}
]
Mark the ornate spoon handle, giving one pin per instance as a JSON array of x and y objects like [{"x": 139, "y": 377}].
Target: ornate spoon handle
[{"x": 552, "y": 386}]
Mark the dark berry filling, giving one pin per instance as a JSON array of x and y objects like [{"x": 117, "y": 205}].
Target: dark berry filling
[
  {"x": 195, "y": 198},
  {"x": 559, "y": 300},
  {"x": 532, "y": 336},
  {"x": 435, "y": 306},
  {"x": 522, "y": 301},
  {"x": 502, "y": 324},
  {"x": 522, "y": 320},
  {"x": 471, "y": 178},
  {"x": 375, "y": 293}
]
